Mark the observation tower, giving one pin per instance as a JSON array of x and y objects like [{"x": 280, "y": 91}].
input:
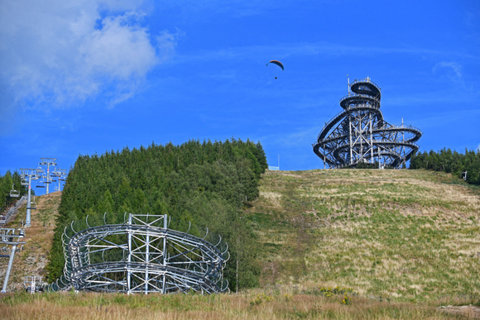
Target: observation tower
[{"x": 360, "y": 137}]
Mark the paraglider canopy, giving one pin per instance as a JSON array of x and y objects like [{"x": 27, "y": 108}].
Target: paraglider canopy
[{"x": 278, "y": 63}]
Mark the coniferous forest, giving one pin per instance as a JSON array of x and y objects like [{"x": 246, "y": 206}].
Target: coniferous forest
[
  {"x": 450, "y": 162},
  {"x": 8, "y": 181},
  {"x": 207, "y": 184}
]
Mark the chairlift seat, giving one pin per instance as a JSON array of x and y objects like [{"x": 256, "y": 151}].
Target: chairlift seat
[{"x": 14, "y": 193}]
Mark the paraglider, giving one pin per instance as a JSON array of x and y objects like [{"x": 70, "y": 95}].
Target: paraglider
[{"x": 278, "y": 63}]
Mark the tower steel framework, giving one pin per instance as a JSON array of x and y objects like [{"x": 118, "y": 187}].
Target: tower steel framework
[
  {"x": 359, "y": 134},
  {"x": 141, "y": 255}
]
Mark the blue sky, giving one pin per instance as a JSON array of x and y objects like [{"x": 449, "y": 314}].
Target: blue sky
[{"x": 99, "y": 75}]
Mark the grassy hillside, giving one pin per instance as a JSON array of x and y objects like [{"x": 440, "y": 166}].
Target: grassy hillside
[
  {"x": 401, "y": 235},
  {"x": 33, "y": 258},
  {"x": 335, "y": 244}
]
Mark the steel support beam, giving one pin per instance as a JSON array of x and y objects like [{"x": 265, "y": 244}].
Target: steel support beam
[{"x": 9, "y": 268}]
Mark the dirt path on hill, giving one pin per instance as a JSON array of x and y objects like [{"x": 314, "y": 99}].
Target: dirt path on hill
[{"x": 471, "y": 312}]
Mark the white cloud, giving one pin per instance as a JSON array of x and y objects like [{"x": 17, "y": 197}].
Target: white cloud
[
  {"x": 445, "y": 66},
  {"x": 118, "y": 51},
  {"x": 61, "y": 53}
]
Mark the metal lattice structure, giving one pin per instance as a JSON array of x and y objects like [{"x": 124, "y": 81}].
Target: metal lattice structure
[
  {"x": 141, "y": 255},
  {"x": 359, "y": 134}
]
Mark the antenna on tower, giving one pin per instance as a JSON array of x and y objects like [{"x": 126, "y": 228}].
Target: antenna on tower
[{"x": 348, "y": 84}]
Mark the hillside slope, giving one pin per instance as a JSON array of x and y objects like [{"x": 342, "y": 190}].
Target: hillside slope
[
  {"x": 396, "y": 234},
  {"x": 405, "y": 235},
  {"x": 32, "y": 259}
]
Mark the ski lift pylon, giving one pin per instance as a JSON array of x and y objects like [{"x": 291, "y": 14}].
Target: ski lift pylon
[{"x": 33, "y": 204}]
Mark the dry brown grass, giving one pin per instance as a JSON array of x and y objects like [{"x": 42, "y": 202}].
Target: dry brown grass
[{"x": 249, "y": 305}]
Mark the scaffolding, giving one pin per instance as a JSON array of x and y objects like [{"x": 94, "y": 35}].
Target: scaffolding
[{"x": 140, "y": 255}]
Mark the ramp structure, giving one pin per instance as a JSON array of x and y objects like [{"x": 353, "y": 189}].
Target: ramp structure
[
  {"x": 141, "y": 255},
  {"x": 359, "y": 136}
]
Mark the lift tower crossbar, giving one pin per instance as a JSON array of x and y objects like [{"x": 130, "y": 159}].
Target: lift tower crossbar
[{"x": 48, "y": 179}]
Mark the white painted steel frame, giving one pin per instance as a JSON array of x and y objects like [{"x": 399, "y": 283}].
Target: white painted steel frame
[{"x": 141, "y": 256}]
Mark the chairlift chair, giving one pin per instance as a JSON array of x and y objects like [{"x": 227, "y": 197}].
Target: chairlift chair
[
  {"x": 56, "y": 173},
  {"x": 14, "y": 193}
]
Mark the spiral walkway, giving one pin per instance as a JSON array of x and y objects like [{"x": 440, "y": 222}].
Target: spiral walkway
[
  {"x": 359, "y": 136},
  {"x": 140, "y": 255}
]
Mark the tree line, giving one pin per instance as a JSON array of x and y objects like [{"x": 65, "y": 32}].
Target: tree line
[
  {"x": 207, "y": 184},
  {"x": 7, "y": 182},
  {"x": 450, "y": 162}
]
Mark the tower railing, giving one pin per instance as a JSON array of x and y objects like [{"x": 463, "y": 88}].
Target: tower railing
[{"x": 359, "y": 134}]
